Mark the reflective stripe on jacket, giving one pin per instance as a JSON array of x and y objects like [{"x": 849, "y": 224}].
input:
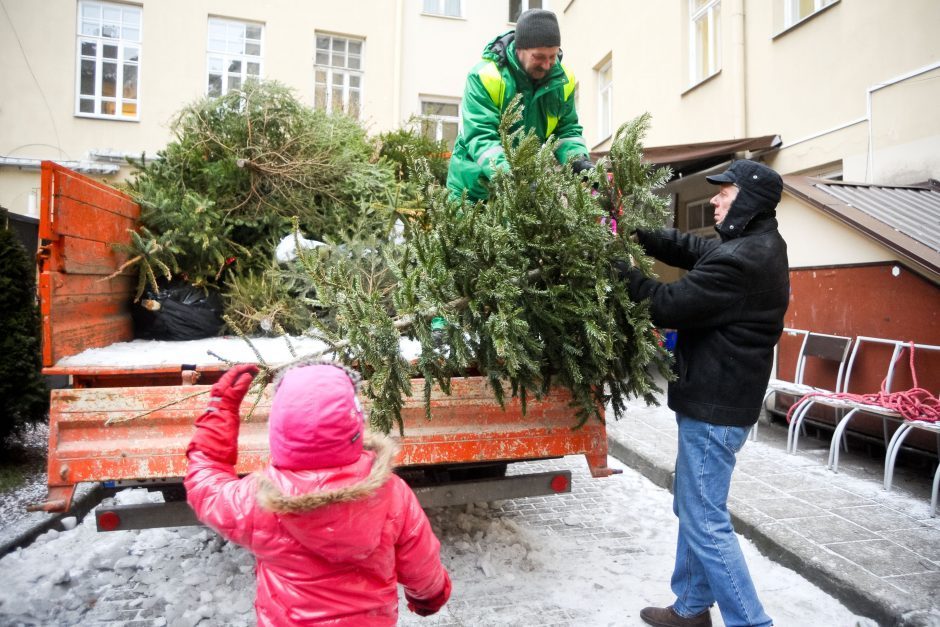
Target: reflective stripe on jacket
[{"x": 548, "y": 109}]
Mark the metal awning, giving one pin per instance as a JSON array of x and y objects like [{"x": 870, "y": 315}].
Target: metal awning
[
  {"x": 685, "y": 159},
  {"x": 905, "y": 219}
]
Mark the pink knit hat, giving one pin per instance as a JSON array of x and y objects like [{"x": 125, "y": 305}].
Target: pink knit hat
[{"x": 316, "y": 420}]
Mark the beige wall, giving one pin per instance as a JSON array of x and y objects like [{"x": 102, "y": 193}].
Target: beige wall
[
  {"x": 439, "y": 51},
  {"x": 406, "y": 54},
  {"x": 815, "y": 239},
  {"x": 800, "y": 84},
  {"x": 811, "y": 84},
  {"x": 853, "y": 76}
]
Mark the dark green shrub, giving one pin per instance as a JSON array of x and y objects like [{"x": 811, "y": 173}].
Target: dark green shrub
[{"x": 24, "y": 397}]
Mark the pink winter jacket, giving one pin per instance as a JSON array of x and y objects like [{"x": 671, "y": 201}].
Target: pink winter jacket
[{"x": 330, "y": 543}]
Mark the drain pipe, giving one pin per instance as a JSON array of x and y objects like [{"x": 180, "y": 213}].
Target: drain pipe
[
  {"x": 396, "y": 71},
  {"x": 738, "y": 68}
]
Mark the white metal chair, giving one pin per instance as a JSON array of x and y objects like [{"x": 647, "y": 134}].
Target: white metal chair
[
  {"x": 832, "y": 349},
  {"x": 894, "y": 443},
  {"x": 777, "y": 383}
]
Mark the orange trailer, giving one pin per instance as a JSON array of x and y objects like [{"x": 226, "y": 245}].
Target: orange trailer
[{"x": 130, "y": 425}]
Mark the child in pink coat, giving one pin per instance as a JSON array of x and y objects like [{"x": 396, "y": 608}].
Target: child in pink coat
[{"x": 333, "y": 529}]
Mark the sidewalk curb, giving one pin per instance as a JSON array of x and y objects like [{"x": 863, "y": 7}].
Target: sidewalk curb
[
  {"x": 24, "y": 531},
  {"x": 866, "y": 598}
]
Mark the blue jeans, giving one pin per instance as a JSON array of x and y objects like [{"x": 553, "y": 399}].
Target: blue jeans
[{"x": 710, "y": 566}]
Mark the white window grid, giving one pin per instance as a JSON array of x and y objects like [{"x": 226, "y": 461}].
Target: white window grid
[
  {"x": 234, "y": 54},
  {"x": 440, "y": 120},
  {"x": 447, "y": 8},
  {"x": 338, "y": 74},
  {"x": 107, "y": 83},
  {"x": 518, "y": 7},
  {"x": 704, "y": 36},
  {"x": 700, "y": 218},
  {"x": 605, "y": 101},
  {"x": 798, "y": 10}
]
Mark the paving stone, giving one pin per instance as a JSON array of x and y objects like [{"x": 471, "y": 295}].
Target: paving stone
[
  {"x": 925, "y": 541},
  {"x": 922, "y": 584},
  {"x": 883, "y": 557},
  {"x": 876, "y": 518},
  {"x": 829, "y": 498},
  {"x": 753, "y": 489},
  {"x": 786, "y": 508},
  {"x": 829, "y": 529}
]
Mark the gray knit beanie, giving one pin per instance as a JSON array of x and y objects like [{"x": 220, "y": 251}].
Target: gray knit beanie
[{"x": 537, "y": 28}]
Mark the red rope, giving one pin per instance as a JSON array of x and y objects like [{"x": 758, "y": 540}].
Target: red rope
[{"x": 913, "y": 404}]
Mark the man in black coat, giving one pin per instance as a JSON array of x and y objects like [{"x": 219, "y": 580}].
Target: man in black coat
[{"x": 728, "y": 310}]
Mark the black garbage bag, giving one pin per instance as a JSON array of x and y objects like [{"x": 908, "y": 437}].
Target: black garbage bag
[{"x": 178, "y": 311}]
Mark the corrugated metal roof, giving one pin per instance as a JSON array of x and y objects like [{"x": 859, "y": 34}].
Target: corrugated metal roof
[
  {"x": 912, "y": 211},
  {"x": 904, "y": 219}
]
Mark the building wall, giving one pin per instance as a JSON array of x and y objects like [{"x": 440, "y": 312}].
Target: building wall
[
  {"x": 439, "y": 51},
  {"x": 406, "y": 54},
  {"x": 816, "y": 239},
  {"x": 810, "y": 84},
  {"x": 879, "y": 300}
]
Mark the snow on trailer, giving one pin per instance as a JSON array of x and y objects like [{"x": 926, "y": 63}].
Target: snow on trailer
[{"x": 128, "y": 417}]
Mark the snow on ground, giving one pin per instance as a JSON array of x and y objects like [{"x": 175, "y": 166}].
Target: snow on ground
[
  {"x": 31, "y": 447},
  {"x": 512, "y": 563},
  {"x": 593, "y": 557},
  {"x": 274, "y": 350}
]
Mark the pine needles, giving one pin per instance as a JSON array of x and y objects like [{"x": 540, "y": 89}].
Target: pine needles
[{"x": 523, "y": 281}]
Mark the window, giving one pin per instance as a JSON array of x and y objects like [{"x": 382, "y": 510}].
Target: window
[
  {"x": 338, "y": 75},
  {"x": 449, "y": 8},
  {"x": 440, "y": 121},
  {"x": 704, "y": 36},
  {"x": 233, "y": 54},
  {"x": 797, "y": 10},
  {"x": 109, "y": 46},
  {"x": 700, "y": 219},
  {"x": 605, "y": 95},
  {"x": 518, "y": 7}
]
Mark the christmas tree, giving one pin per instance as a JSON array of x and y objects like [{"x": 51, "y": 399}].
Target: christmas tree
[{"x": 523, "y": 281}]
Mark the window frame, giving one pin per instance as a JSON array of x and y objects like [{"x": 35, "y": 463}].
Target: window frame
[
  {"x": 524, "y": 5},
  {"x": 331, "y": 71},
  {"x": 784, "y": 8},
  {"x": 120, "y": 60},
  {"x": 710, "y": 11},
  {"x": 791, "y": 10},
  {"x": 706, "y": 230},
  {"x": 228, "y": 57},
  {"x": 440, "y": 120},
  {"x": 440, "y": 8},
  {"x": 605, "y": 95}
]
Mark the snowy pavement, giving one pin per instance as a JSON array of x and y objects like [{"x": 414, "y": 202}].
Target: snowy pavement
[{"x": 592, "y": 557}]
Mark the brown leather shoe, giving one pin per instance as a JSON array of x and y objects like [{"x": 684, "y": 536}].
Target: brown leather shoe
[{"x": 667, "y": 617}]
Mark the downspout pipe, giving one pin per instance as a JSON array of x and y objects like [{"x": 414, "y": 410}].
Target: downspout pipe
[
  {"x": 738, "y": 68},
  {"x": 397, "y": 70}
]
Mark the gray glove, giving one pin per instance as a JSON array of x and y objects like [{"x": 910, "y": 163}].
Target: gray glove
[{"x": 581, "y": 164}]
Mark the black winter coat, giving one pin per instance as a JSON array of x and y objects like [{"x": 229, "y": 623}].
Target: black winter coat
[{"x": 728, "y": 311}]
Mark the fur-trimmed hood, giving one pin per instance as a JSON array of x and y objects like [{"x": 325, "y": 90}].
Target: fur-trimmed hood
[{"x": 316, "y": 506}]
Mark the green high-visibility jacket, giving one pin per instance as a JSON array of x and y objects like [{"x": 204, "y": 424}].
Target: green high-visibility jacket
[{"x": 548, "y": 109}]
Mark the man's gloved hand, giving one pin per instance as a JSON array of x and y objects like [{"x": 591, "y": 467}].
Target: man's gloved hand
[
  {"x": 581, "y": 164},
  {"x": 217, "y": 428},
  {"x": 622, "y": 267},
  {"x": 426, "y": 607}
]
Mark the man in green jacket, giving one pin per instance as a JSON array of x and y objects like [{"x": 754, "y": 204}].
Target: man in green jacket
[{"x": 526, "y": 61}]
